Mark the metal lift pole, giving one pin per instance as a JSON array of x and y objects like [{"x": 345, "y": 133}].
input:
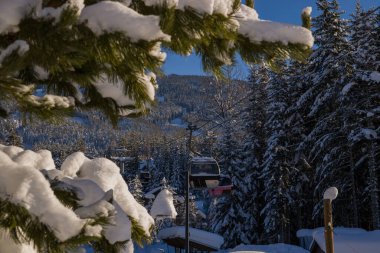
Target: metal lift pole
[{"x": 191, "y": 128}]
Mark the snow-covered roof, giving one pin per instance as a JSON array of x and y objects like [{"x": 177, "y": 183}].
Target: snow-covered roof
[
  {"x": 122, "y": 158},
  {"x": 163, "y": 205},
  {"x": 202, "y": 159},
  {"x": 152, "y": 193},
  {"x": 350, "y": 240},
  {"x": 340, "y": 230},
  {"x": 271, "y": 248},
  {"x": 196, "y": 235}
]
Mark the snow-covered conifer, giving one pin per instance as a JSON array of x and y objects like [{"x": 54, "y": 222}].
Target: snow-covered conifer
[{"x": 277, "y": 166}]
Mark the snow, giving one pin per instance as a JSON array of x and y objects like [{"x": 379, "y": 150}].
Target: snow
[
  {"x": 152, "y": 192},
  {"x": 95, "y": 201},
  {"x": 97, "y": 183},
  {"x": 375, "y": 76},
  {"x": 201, "y": 159},
  {"x": 120, "y": 230},
  {"x": 94, "y": 231},
  {"x": 7, "y": 245},
  {"x": 307, "y": 11},
  {"x": 108, "y": 17},
  {"x": 168, "y": 3},
  {"x": 204, "y": 174},
  {"x": 24, "y": 185},
  {"x": 106, "y": 175},
  {"x": 163, "y": 205},
  {"x": 305, "y": 232},
  {"x": 199, "y": 236},
  {"x": 51, "y": 101},
  {"x": 331, "y": 193},
  {"x": 55, "y": 13},
  {"x": 40, "y": 73},
  {"x": 41, "y": 160},
  {"x": 350, "y": 240},
  {"x": 156, "y": 52},
  {"x": 210, "y": 7},
  {"x": 271, "y": 248},
  {"x": 200, "y": 6},
  {"x": 347, "y": 88},
  {"x": 21, "y": 46},
  {"x": 12, "y": 11},
  {"x": 261, "y": 30},
  {"x": 100, "y": 208},
  {"x": 116, "y": 90},
  {"x": 223, "y": 7},
  {"x": 72, "y": 164}
]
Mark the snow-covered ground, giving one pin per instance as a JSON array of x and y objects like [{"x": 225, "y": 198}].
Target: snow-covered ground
[{"x": 271, "y": 248}]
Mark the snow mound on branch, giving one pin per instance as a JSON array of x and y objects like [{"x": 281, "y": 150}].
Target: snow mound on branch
[
  {"x": 87, "y": 190},
  {"x": 101, "y": 190},
  {"x": 26, "y": 186},
  {"x": 41, "y": 160},
  {"x": 163, "y": 205},
  {"x": 101, "y": 208},
  {"x": 108, "y": 17},
  {"x": 107, "y": 177},
  {"x": 261, "y": 30},
  {"x": 55, "y": 13},
  {"x": 168, "y": 3},
  {"x": 95, "y": 201},
  {"x": 72, "y": 164},
  {"x": 20, "y": 46},
  {"x": 11, "y": 151},
  {"x": 116, "y": 90},
  {"x": 12, "y": 11},
  {"x": 210, "y": 7}
]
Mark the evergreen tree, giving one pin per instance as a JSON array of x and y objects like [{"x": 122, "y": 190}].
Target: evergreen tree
[
  {"x": 301, "y": 179},
  {"x": 178, "y": 174},
  {"x": 231, "y": 219},
  {"x": 361, "y": 97},
  {"x": 324, "y": 81},
  {"x": 278, "y": 166},
  {"x": 254, "y": 117},
  {"x": 135, "y": 187}
]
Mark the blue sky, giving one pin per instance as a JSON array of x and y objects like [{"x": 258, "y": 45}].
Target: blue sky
[{"x": 287, "y": 11}]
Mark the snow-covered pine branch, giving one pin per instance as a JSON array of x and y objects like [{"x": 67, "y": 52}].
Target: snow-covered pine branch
[
  {"x": 103, "y": 54},
  {"x": 86, "y": 200}
]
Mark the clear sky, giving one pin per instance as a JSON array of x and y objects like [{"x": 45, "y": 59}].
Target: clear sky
[{"x": 286, "y": 11}]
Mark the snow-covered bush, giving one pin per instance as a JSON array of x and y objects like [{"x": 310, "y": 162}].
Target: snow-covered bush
[{"x": 86, "y": 201}]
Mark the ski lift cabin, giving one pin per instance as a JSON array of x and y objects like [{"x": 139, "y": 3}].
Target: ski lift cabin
[
  {"x": 145, "y": 167},
  {"x": 224, "y": 187},
  {"x": 204, "y": 172}
]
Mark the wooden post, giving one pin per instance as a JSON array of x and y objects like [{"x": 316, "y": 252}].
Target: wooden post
[
  {"x": 329, "y": 236},
  {"x": 328, "y": 196}
]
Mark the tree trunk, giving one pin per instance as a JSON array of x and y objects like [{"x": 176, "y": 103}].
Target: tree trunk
[
  {"x": 354, "y": 199},
  {"x": 373, "y": 186}
]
